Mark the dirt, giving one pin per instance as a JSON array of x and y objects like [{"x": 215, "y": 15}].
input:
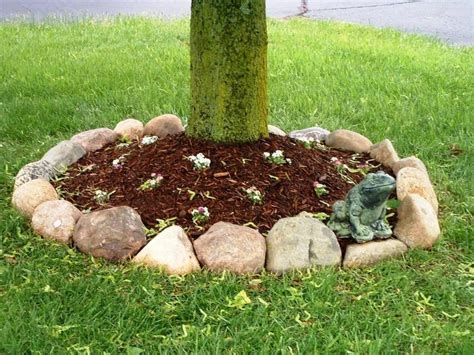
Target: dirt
[{"x": 287, "y": 189}]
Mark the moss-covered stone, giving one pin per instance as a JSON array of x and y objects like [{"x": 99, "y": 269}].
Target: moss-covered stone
[{"x": 228, "y": 71}]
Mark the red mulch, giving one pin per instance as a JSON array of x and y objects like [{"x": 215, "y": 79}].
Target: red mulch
[{"x": 219, "y": 188}]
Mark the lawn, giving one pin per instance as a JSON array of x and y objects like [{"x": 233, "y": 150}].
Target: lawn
[{"x": 57, "y": 79}]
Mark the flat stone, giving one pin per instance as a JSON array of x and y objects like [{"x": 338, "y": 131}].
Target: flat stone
[
  {"x": 115, "y": 234},
  {"x": 384, "y": 153},
  {"x": 417, "y": 224},
  {"x": 37, "y": 170},
  {"x": 32, "y": 194},
  {"x": 411, "y": 162},
  {"x": 64, "y": 154},
  {"x": 317, "y": 133},
  {"x": 95, "y": 139},
  {"x": 227, "y": 246},
  {"x": 130, "y": 128},
  {"x": 344, "y": 139},
  {"x": 301, "y": 242},
  {"x": 414, "y": 181},
  {"x": 370, "y": 253},
  {"x": 171, "y": 250},
  {"x": 163, "y": 126},
  {"x": 55, "y": 220},
  {"x": 276, "y": 131}
]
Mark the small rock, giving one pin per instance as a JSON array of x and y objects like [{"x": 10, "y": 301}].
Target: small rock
[
  {"x": 344, "y": 139},
  {"x": 417, "y": 224},
  {"x": 384, "y": 153},
  {"x": 130, "y": 128},
  {"x": 171, "y": 250},
  {"x": 116, "y": 233},
  {"x": 163, "y": 125},
  {"x": 64, "y": 154},
  {"x": 372, "y": 252},
  {"x": 317, "y": 133},
  {"x": 37, "y": 170},
  {"x": 301, "y": 242},
  {"x": 55, "y": 220},
  {"x": 276, "y": 131},
  {"x": 227, "y": 246},
  {"x": 32, "y": 194},
  {"x": 412, "y": 162},
  {"x": 414, "y": 181},
  {"x": 95, "y": 139}
]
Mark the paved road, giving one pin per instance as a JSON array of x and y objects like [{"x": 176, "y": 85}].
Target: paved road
[{"x": 450, "y": 20}]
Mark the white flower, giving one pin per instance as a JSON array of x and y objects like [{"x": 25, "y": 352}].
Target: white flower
[
  {"x": 149, "y": 140},
  {"x": 200, "y": 162},
  {"x": 334, "y": 159},
  {"x": 266, "y": 155},
  {"x": 288, "y": 160},
  {"x": 277, "y": 153}
]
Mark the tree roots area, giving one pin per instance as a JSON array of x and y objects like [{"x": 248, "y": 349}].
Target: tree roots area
[{"x": 310, "y": 179}]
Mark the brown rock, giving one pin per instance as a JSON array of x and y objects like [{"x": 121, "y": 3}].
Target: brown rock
[
  {"x": 414, "y": 181},
  {"x": 55, "y": 220},
  {"x": 32, "y": 194},
  {"x": 115, "y": 234},
  {"x": 94, "y": 139},
  {"x": 170, "y": 250},
  {"x": 130, "y": 128},
  {"x": 163, "y": 125},
  {"x": 384, "y": 153},
  {"x": 344, "y": 139},
  {"x": 226, "y": 246},
  {"x": 372, "y": 252},
  {"x": 417, "y": 224},
  {"x": 412, "y": 162}
]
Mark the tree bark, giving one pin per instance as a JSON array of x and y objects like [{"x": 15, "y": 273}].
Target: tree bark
[{"x": 228, "y": 71}]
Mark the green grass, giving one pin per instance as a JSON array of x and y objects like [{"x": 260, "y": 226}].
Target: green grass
[{"x": 58, "y": 79}]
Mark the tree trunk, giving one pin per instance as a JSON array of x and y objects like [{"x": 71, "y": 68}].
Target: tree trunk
[{"x": 228, "y": 71}]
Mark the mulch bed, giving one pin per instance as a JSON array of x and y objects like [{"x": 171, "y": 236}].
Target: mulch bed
[{"x": 288, "y": 189}]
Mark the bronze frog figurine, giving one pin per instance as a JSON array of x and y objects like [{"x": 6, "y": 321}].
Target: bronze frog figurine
[{"x": 362, "y": 215}]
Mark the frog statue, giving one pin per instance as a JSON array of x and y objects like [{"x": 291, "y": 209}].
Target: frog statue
[{"x": 362, "y": 214}]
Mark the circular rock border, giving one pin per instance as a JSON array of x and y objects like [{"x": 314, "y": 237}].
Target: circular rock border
[{"x": 292, "y": 243}]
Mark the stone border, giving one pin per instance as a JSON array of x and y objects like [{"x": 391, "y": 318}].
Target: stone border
[{"x": 293, "y": 243}]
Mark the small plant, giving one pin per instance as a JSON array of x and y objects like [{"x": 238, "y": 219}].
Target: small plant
[
  {"x": 277, "y": 157},
  {"x": 307, "y": 142},
  {"x": 102, "y": 197},
  {"x": 200, "y": 215},
  {"x": 124, "y": 140},
  {"x": 200, "y": 162},
  {"x": 123, "y": 145},
  {"x": 165, "y": 223},
  {"x": 254, "y": 195},
  {"x": 321, "y": 216},
  {"x": 342, "y": 169},
  {"x": 152, "y": 183},
  {"x": 320, "y": 189},
  {"x": 119, "y": 162},
  {"x": 147, "y": 140}
]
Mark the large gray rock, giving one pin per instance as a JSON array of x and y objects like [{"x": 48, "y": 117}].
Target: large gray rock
[
  {"x": 344, "y": 139},
  {"x": 56, "y": 220},
  {"x": 301, "y": 242},
  {"x": 64, "y": 154},
  {"x": 94, "y": 139},
  {"x": 227, "y": 246},
  {"x": 417, "y": 224},
  {"x": 130, "y": 128},
  {"x": 384, "y": 153},
  {"x": 170, "y": 250},
  {"x": 114, "y": 234},
  {"x": 163, "y": 126},
  {"x": 414, "y": 181},
  {"x": 32, "y": 194},
  {"x": 37, "y": 170},
  {"x": 370, "y": 253},
  {"x": 411, "y": 162},
  {"x": 317, "y": 133},
  {"x": 276, "y": 130}
]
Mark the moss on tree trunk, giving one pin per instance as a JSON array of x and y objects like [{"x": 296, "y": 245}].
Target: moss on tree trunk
[{"x": 228, "y": 71}]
